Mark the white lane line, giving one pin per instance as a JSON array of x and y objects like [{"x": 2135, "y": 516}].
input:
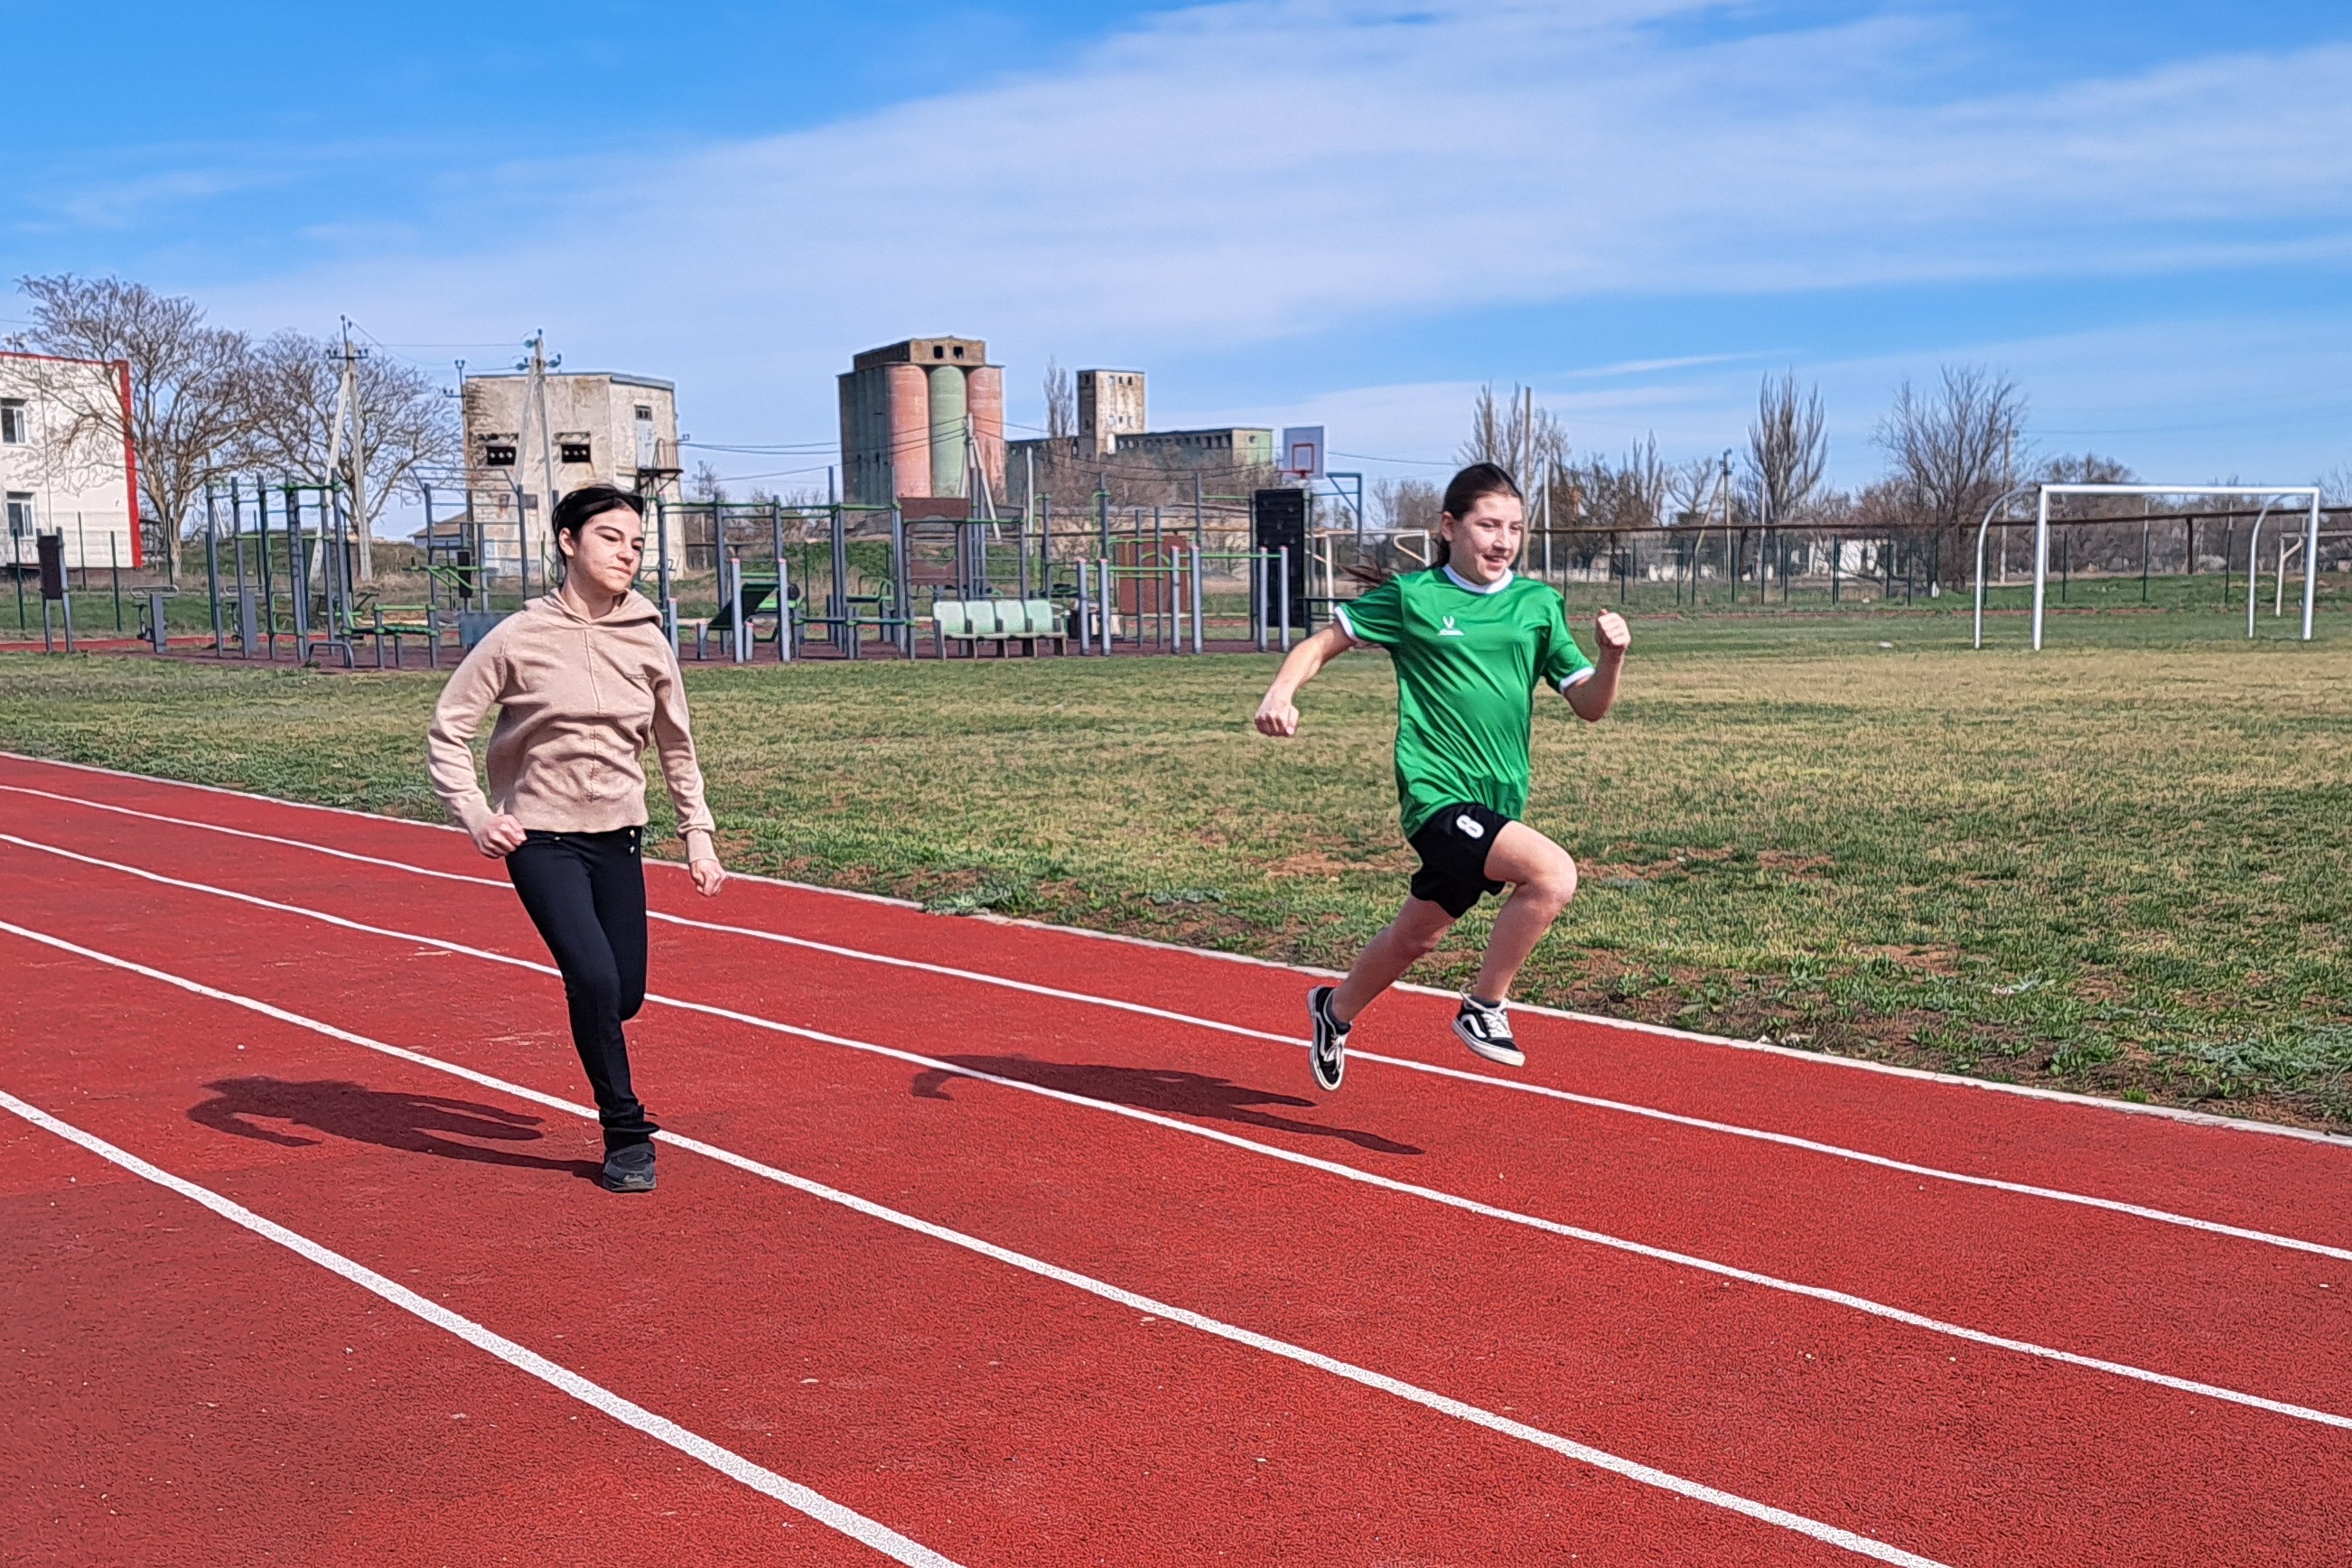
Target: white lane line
[
  {"x": 1851, "y": 1302},
  {"x": 726, "y": 1461},
  {"x": 1653, "y": 1113},
  {"x": 1599, "y": 1458},
  {"x": 1594, "y": 1020}
]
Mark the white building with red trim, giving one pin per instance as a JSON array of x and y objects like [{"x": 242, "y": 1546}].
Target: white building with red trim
[{"x": 65, "y": 461}]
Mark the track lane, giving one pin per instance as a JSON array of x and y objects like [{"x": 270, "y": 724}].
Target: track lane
[
  {"x": 173, "y": 1380},
  {"x": 2184, "y": 1304},
  {"x": 1031, "y": 1423},
  {"x": 2226, "y": 1173},
  {"x": 2028, "y": 1433}
]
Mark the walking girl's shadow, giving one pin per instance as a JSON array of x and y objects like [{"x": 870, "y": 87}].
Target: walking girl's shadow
[
  {"x": 390, "y": 1119},
  {"x": 1163, "y": 1090}
]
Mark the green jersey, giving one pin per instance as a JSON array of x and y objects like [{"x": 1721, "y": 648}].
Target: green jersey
[{"x": 1468, "y": 663}]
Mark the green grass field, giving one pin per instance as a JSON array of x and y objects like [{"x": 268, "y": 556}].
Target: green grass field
[{"x": 2119, "y": 867}]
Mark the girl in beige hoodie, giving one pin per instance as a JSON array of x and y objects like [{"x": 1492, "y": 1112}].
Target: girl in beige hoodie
[{"x": 583, "y": 679}]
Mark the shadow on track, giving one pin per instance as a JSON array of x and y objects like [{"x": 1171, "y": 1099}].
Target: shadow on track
[
  {"x": 412, "y": 1123},
  {"x": 1161, "y": 1089}
]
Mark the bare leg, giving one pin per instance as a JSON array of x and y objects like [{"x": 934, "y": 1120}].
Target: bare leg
[
  {"x": 1546, "y": 880},
  {"x": 1404, "y": 942}
]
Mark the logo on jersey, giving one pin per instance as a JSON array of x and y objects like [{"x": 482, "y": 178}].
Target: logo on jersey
[
  {"x": 1470, "y": 828},
  {"x": 1450, "y": 630}
]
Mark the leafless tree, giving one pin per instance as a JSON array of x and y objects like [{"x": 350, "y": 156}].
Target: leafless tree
[
  {"x": 186, "y": 414},
  {"x": 1953, "y": 449},
  {"x": 1517, "y": 434},
  {"x": 1602, "y": 493},
  {"x": 1787, "y": 449},
  {"x": 1061, "y": 401},
  {"x": 290, "y": 388},
  {"x": 1405, "y": 505},
  {"x": 2335, "y": 485},
  {"x": 1694, "y": 488}
]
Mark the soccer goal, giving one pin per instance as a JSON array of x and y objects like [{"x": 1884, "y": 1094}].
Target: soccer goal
[{"x": 2300, "y": 498}]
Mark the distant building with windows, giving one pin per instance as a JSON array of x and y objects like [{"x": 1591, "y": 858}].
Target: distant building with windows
[
  {"x": 1110, "y": 406},
  {"x": 65, "y": 461},
  {"x": 1113, "y": 420},
  {"x": 1222, "y": 447},
  {"x": 600, "y": 427}
]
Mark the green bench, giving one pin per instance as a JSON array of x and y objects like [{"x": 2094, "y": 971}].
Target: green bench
[{"x": 1000, "y": 621}]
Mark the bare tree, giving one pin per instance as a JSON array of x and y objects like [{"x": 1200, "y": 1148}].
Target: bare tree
[
  {"x": 1517, "y": 435},
  {"x": 290, "y": 388},
  {"x": 1406, "y": 505},
  {"x": 1693, "y": 488},
  {"x": 1604, "y": 494},
  {"x": 1787, "y": 449},
  {"x": 186, "y": 413},
  {"x": 1953, "y": 449},
  {"x": 707, "y": 484},
  {"x": 1061, "y": 401},
  {"x": 2335, "y": 485}
]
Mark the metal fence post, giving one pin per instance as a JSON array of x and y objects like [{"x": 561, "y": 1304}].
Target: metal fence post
[
  {"x": 783, "y": 612},
  {"x": 1084, "y": 607},
  {"x": 1102, "y": 587},
  {"x": 1282, "y": 592},
  {"x": 1199, "y": 634}
]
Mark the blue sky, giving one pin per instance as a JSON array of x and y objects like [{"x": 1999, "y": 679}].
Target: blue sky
[{"x": 1284, "y": 210}]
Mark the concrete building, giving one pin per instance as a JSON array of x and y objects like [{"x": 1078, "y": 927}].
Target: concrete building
[
  {"x": 66, "y": 466},
  {"x": 1110, "y": 405},
  {"x": 600, "y": 427},
  {"x": 1225, "y": 446},
  {"x": 1222, "y": 449},
  {"x": 917, "y": 417}
]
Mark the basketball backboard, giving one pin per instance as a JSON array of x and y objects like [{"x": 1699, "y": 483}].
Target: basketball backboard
[{"x": 1302, "y": 451}]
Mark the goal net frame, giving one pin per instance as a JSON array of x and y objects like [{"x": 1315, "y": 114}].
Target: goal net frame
[{"x": 2273, "y": 494}]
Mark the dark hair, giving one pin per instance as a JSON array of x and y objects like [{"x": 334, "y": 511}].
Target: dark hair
[
  {"x": 1468, "y": 487},
  {"x": 572, "y": 512},
  {"x": 1465, "y": 490}
]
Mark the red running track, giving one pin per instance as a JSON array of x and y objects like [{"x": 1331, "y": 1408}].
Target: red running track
[{"x": 1945, "y": 1448}]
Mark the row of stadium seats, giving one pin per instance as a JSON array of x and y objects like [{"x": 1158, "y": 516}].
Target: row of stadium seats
[{"x": 1000, "y": 621}]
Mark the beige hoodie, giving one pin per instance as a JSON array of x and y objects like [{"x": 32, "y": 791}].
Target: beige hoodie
[{"x": 578, "y": 700}]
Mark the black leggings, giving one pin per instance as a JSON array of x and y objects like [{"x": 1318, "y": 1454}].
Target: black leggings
[{"x": 586, "y": 894}]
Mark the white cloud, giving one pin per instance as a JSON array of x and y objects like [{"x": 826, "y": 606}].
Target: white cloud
[{"x": 1235, "y": 174}]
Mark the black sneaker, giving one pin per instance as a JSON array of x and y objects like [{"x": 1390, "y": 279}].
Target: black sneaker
[
  {"x": 1487, "y": 1032},
  {"x": 1328, "y": 1054},
  {"x": 630, "y": 1169}
]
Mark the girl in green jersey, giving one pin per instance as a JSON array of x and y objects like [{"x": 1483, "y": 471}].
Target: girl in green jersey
[{"x": 1470, "y": 640}]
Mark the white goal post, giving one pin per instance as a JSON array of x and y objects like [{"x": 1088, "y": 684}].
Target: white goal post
[{"x": 2272, "y": 495}]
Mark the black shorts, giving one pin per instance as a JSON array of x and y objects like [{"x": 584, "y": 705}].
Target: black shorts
[{"x": 1453, "y": 846}]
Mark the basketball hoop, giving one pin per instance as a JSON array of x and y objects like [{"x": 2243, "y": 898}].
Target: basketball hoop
[{"x": 1302, "y": 451}]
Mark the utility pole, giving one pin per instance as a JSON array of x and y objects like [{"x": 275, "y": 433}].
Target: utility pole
[
  {"x": 1525, "y": 465},
  {"x": 347, "y": 407},
  {"x": 535, "y": 403}
]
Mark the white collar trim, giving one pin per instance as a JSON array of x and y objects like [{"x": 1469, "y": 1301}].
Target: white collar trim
[{"x": 1467, "y": 586}]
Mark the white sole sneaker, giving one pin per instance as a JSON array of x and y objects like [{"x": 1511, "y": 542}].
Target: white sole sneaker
[
  {"x": 1327, "y": 1051},
  {"x": 1504, "y": 1050}
]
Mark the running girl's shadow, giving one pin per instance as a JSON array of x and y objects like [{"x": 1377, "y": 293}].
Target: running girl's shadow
[
  {"x": 1163, "y": 1090},
  {"x": 412, "y": 1123}
]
